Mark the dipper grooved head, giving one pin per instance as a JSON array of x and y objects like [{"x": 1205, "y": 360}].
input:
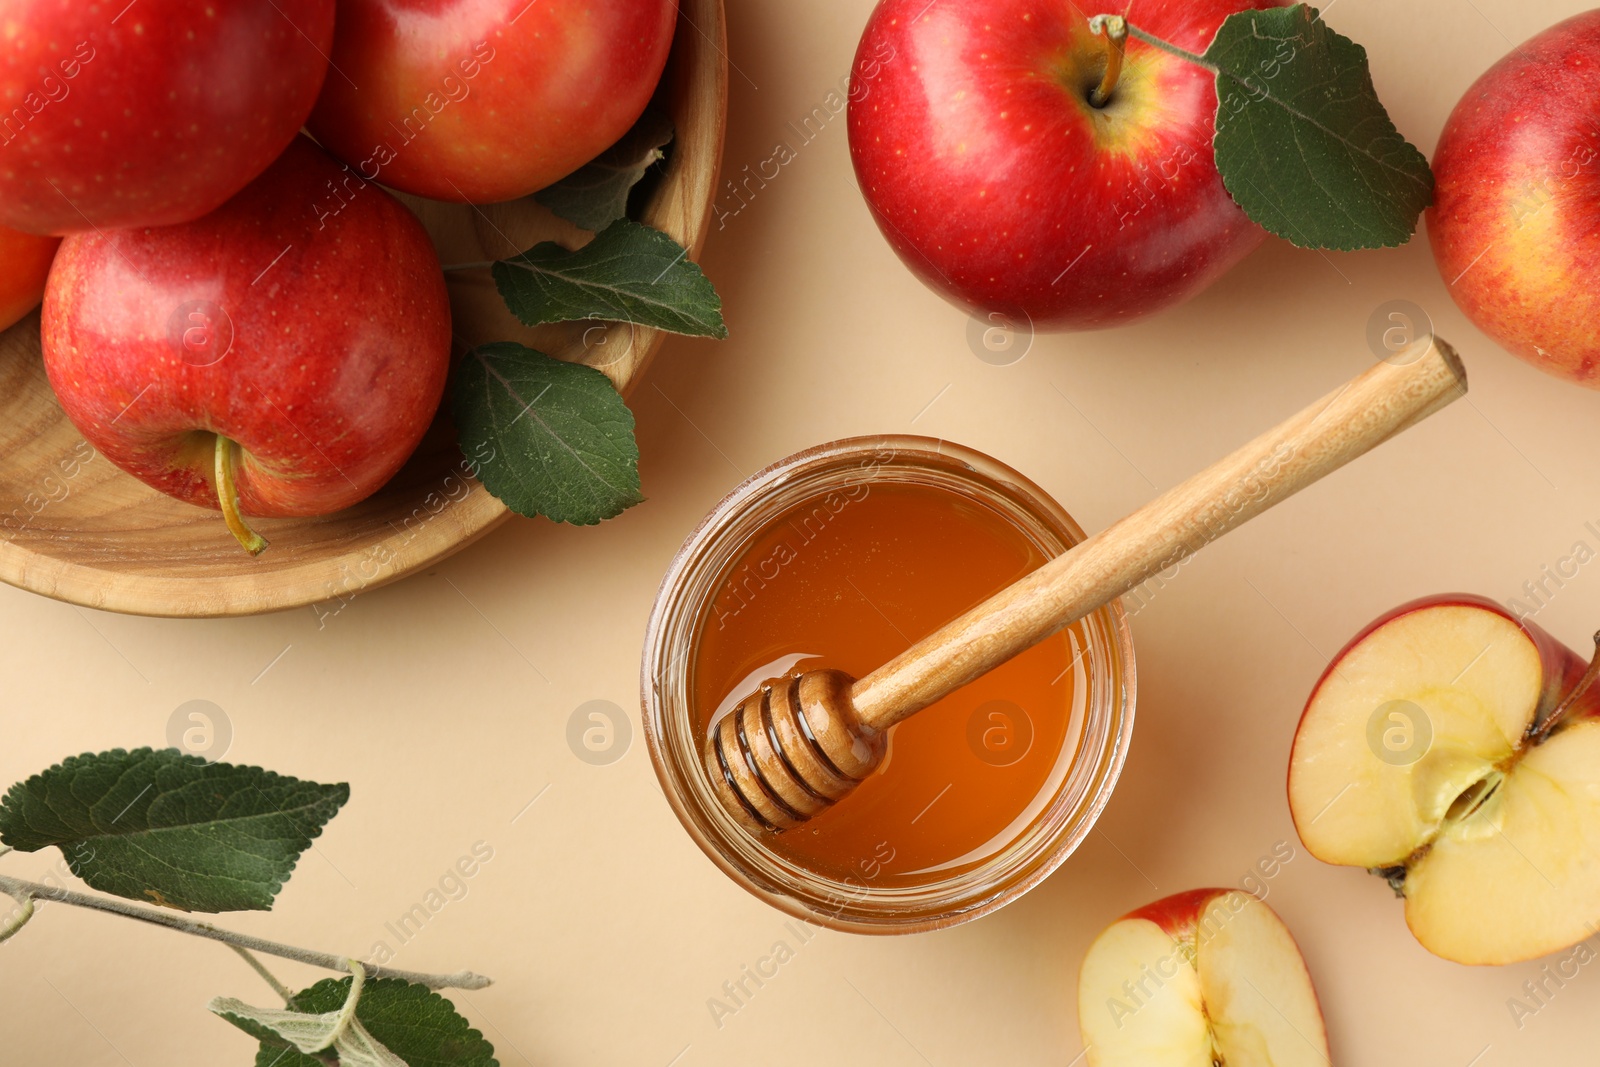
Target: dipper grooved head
[{"x": 791, "y": 750}]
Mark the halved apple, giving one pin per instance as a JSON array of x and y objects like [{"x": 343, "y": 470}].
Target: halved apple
[
  {"x": 1455, "y": 751},
  {"x": 1202, "y": 978}
]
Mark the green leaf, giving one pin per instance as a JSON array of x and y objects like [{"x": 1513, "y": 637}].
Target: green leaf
[
  {"x": 596, "y": 195},
  {"x": 414, "y": 1023},
  {"x": 1302, "y": 142},
  {"x": 313, "y": 1033},
  {"x": 548, "y": 437},
  {"x": 628, "y": 273},
  {"x": 169, "y": 828}
]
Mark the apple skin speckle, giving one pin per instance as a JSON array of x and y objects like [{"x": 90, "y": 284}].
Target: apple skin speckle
[{"x": 146, "y": 91}]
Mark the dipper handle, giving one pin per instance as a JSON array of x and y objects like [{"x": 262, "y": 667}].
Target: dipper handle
[
  {"x": 1389, "y": 397},
  {"x": 799, "y": 745}
]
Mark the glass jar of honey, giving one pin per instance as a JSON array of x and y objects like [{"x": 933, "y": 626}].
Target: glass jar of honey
[{"x": 843, "y": 556}]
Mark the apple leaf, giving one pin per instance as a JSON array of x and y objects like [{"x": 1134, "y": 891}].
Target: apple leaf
[
  {"x": 596, "y": 195},
  {"x": 408, "y": 1023},
  {"x": 1303, "y": 144},
  {"x": 171, "y": 829},
  {"x": 628, "y": 273},
  {"x": 548, "y": 437}
]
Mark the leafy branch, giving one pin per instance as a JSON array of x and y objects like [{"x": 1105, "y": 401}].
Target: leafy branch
[
  {"x": 25, "y": 893},
  {"x": 364, "y": 1022},
  {"x": 162, "y": 826}
]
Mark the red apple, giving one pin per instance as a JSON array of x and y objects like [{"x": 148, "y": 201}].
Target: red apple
[
  {"x": 1455, "y": 751},
  {"x": 487, "y": 100},
  {"x": 1207, "y": 977},
  {"x": 145, "y": 114},
  {"x": 294, "y": 342},
  {"x": 24, "y": 263},
  {"x": 1001, "y": 184},
  {"x": 1515, "y": 222}
]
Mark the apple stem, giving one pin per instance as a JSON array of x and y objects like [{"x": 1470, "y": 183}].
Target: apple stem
[
  {"x": 228, "y": 497},
  {"x": 1115, "y": 28},
  {"x": 1585, "y": 683},
  {"x": 1112, "y": 24}
]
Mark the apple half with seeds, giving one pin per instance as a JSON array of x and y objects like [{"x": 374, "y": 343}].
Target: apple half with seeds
[
  {"x": 1203, "y": 978},
  {"x": 1454, "y": 750}
]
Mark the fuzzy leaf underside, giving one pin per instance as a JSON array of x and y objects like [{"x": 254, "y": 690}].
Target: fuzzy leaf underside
[
  {"x": 312, "y": 1036},
  {"x": 285, "y": 1027},
  {"x": 413, "y": 1023}
]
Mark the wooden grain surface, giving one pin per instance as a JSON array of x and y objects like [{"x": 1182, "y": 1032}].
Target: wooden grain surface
[{"x": 74, "y": 527}]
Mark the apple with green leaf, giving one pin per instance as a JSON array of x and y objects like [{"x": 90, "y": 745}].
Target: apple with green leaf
[
  {"x": 1014, "y": 173},
  {"x": 280, "y": 356},
  {"x": 1078, "y": 167},
  {"x": 1206, "y": 977},
  {"x": 1454, "y": 750},
  {"x": 1513, "y": 223}
]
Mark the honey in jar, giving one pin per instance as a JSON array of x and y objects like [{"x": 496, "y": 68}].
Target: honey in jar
[
  {"x": 843, "y": 557},
  {"x": 851, "y": 580}
]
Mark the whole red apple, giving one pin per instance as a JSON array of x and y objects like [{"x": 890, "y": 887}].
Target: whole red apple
[
  {"x": 1453, "y": 747},
  {"x": 1515, "y": 222},
  {"x": 487, "y": 100},
  {"x": 24, "y": 264},
  {"x": 295, "y": 342},
  {"x": 1002, "y": 184},
  {"x": 145, "y": 114}
]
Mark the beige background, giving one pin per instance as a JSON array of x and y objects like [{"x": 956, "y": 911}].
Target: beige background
[{"x": 444, "y": 700}]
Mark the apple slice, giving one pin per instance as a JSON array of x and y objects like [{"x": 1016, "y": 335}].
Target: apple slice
[
  {"x": 1455, "y": 751},
  {"x": 1202, "y": 978}
]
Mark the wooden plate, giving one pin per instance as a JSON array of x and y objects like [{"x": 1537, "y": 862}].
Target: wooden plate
[{"x": 74, "y": 527}]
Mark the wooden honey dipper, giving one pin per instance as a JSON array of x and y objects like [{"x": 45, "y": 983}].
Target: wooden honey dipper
[{"x": 800, "y": 744}]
